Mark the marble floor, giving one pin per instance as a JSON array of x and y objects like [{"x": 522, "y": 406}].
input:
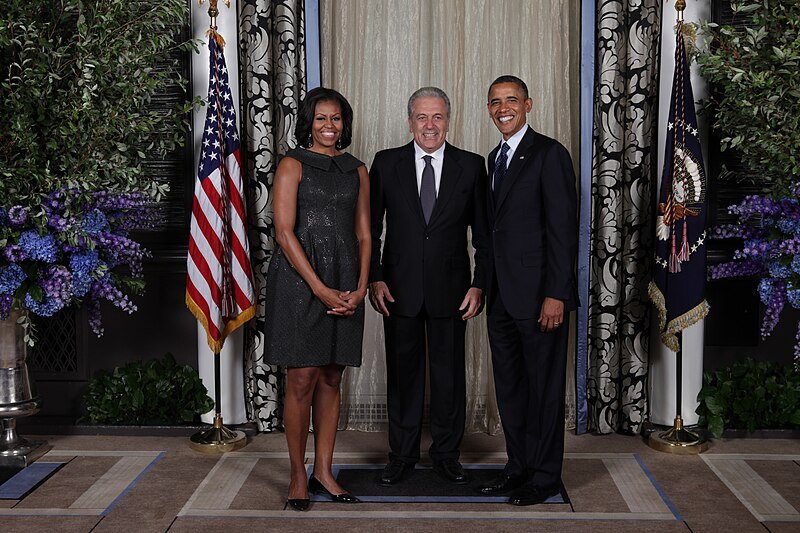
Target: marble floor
[{"x": 615, "y": 483}]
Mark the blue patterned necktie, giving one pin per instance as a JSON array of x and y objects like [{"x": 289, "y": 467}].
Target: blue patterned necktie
[
  {"x": 427, "y": 191},
  {"x": 500, "y": 167}
]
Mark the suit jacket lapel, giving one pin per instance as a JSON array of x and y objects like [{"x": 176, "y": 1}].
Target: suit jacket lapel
[
  {"x": 521, "y": 156},
  {"x": 447, "y": 183},
  {"x": 407, "y": 180}
]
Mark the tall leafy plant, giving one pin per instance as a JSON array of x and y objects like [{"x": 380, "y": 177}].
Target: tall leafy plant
[
  {"x": 76, "y": 80},
  {"x": 753, "y": 66},
  {"x": 754, "y": 69}
]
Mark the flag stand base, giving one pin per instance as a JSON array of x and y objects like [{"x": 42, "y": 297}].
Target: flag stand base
[
  {"x": 217, "y": 439},
  {"x": 678, "y": 440}
]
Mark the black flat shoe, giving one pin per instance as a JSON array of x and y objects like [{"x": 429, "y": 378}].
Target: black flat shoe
[
  {"x": 315, "y": 487},
  {"x": 298, "y": 504}
]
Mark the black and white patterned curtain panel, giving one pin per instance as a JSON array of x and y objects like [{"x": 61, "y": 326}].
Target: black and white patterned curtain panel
[
  {"x": 272, "y": 62},
  {"x": 623, "y": 185}
]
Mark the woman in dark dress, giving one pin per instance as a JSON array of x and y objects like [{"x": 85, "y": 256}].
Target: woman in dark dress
[{"x": 316, "y": 283}]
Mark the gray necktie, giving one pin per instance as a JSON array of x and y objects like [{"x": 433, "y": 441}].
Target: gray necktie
[
  {"x": 500, "y": 167},
  {"x": 427, "y": 191}
]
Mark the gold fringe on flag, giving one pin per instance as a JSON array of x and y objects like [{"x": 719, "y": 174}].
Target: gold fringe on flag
[{"x": 668, "y": 330}]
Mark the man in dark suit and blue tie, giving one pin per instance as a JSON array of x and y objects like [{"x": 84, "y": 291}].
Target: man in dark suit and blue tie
[
  {"x": 531, "y": 288},
  {"x": 431, "y": 194}
]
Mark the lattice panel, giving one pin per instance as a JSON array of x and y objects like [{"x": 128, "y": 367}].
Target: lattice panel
[{"x": 55, "y": 355}]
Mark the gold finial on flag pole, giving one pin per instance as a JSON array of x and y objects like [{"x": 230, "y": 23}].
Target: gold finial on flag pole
[
  {"x": 213, "y": 11},
  {"x": 680, "y": 5}
]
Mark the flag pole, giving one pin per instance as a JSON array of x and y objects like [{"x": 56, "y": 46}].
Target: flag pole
[
  {"x": 231, "y": 307},
  {"x": 677, "y": 439},
  {"x": 217, "y": 439}
]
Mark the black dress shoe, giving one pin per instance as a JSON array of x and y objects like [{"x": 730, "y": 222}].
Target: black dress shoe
[
  {"x": 452, "y": 471},
  {"x": 298, "y": 504},
  {"x": 316, "y": 487},
  {"x": 503, "y": 483},
  {"x": 394, "y": 472},
  {"x": 532, "y": 494}
]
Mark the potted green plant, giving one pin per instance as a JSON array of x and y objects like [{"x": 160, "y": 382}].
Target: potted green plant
[
  {"x": 75, "y": 81},
  {"x": 750, "y": 395},
  {"x": 147, "y": 392}
]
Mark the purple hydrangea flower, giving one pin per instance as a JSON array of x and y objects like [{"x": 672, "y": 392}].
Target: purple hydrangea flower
[
  {"x": 13, "y": 253},
  {"x": 56, "y": 282},
  {"x": 17, "y": 216},
  {"x": 774, "y": 308},
  {"x": 765, "y": 290}
]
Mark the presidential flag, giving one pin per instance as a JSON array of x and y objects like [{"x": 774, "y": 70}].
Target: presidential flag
[
  {"x": 679, "y": 280},
  {"x": 219, "y": 283}
]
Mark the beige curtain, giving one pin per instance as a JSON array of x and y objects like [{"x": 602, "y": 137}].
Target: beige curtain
[{"x": 377, "y": 52}]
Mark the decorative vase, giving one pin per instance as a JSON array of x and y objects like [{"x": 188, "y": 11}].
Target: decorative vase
[{"x": 17, "y": 395}]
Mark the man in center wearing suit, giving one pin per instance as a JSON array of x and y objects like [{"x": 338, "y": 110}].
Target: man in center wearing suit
[
  {"x": 431, "y": 193},
  {"x": 532, "y": 203}
]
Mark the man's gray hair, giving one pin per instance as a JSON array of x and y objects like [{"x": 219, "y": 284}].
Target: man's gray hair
[{"x": 427, "y": 92}]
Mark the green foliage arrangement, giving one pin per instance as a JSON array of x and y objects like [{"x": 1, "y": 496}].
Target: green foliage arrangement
[
  {"x": 750, "y": 395},
  {"x": 155, "y": 391},
  {"x": 755, "y": 73},
  {"x": 76, "y": 77}
]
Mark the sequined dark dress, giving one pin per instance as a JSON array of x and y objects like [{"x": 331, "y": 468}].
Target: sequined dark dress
[{"x": 298, "y": 330}]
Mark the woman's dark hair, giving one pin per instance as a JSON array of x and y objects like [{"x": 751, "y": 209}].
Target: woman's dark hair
[{"x": 308, "y": 107}]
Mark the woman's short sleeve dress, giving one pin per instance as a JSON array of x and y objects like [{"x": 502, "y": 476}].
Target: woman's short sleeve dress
[{"x": 298, "y": 330}]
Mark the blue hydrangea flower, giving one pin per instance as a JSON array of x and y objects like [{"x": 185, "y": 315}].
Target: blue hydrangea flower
[
  {"x": 11, "y": 277},
  {"x": 778, "y": 270},
  {"x": 37, "y": 247},
  {"x": 83, "y": 266},
  {"x": 3, "y": 216},
  {"x": 790, "y": 226},
  {"x": 94, "y": 222},
  {"x": 47, "y": 307},
  {"x": 765, "y": 290},
  {"x": 793, "y": 295},
  {"x": 796, "y": 263}
]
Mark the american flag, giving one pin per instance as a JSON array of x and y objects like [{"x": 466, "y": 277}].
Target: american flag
[
  {"x": 219, "y": 282},
  {"x": 678, "y": 288}
]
